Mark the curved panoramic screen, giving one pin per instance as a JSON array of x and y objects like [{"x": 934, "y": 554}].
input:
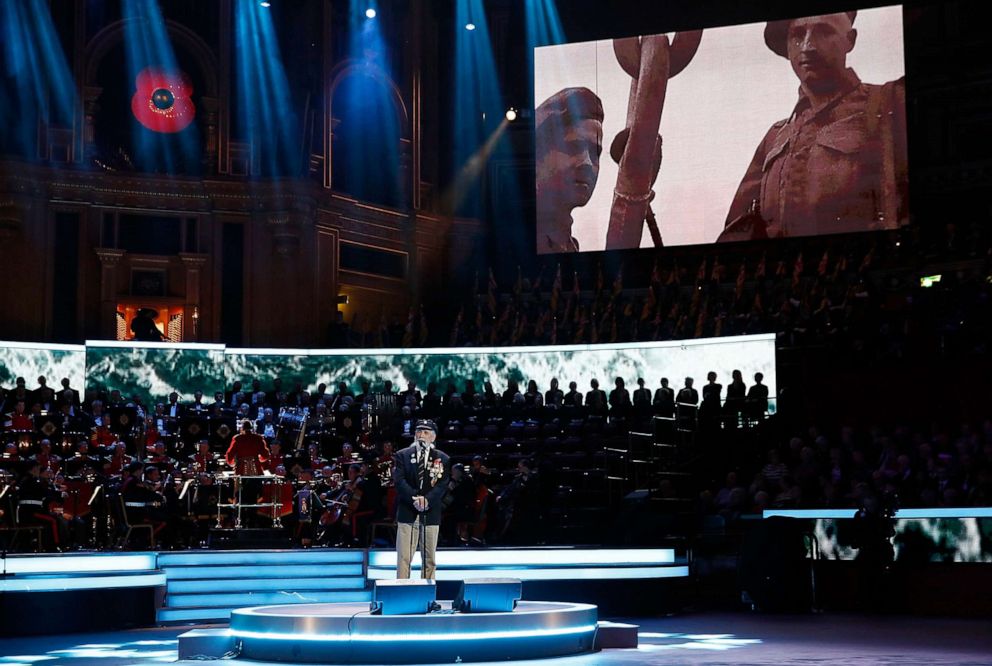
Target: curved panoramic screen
[
  {"x": 767, "y": 130},
  {"x": 150, "y": 370}
]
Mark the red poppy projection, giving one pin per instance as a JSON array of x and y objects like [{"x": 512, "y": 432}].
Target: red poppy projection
[{"x": 162, "y": 101}]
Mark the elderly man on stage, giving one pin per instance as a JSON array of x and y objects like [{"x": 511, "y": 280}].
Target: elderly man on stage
[{"x": 420, "y": 475}]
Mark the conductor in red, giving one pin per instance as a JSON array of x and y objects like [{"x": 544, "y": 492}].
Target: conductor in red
[
  {"x": 247, "y": 451},
  {"x": 420, "y": 475},
  {"x": 837, "y": 164}
]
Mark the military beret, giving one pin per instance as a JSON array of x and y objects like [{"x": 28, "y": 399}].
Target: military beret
[{"x": 568, "y": 106}]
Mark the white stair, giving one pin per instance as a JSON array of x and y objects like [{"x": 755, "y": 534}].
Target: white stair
[{"x": 205, "y": 586}]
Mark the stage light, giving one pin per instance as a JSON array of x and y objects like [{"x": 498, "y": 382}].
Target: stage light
[
  {"x": 511, "y": 114},
  {"x": 470, "y": 26},
  {"x": 370, "y": 13},
  {"x": 265, "y": 3},
  {"x": 386, "y": 638},
  {"x": 64, "y": 583},
  {"x": 79, "y": 564}
]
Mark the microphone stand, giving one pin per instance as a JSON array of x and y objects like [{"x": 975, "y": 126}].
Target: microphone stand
[{"x": 425, "y": 450}]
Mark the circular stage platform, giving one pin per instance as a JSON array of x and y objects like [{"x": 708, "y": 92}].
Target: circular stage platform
[{"x": 347, "y": 633}]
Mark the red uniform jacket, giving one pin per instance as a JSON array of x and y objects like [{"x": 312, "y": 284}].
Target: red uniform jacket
[{"x": 247, "y": 450}]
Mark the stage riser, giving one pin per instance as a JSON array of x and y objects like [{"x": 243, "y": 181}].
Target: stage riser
[
  {"x": 204, "y": 586},
  {"x": 450, "y": 652},
  {"x": 347, "y": 634}
]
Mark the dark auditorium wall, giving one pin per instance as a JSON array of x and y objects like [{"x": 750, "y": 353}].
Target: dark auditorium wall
[{"x": 169, "y": 225}]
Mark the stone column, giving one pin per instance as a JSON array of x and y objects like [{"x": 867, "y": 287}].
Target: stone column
[
  {"x": 210, "y": 144},
  {"x": 90, "y": 108},
  {"x": 193, "y": 265},
  {"x": 109, "y": 259}
]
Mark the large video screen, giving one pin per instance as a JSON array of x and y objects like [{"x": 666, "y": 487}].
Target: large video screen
[
  {"x": 767, "y": 130},
  {"x": 32, "y": 360},
  {"x": 152, "y": 370}
]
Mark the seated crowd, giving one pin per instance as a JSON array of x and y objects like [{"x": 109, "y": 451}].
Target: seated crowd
[
  {"x": 897, "y": 467},
  {"x": 861, "y": 296}
]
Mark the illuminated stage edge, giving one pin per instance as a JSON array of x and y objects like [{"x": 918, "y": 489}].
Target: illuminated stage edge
[{"x": 346, "y": 633}]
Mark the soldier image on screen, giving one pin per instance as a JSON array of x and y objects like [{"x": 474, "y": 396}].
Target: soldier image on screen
[
  {"x": 838, "y": 163},
  {"x": 568, "y": 143}
]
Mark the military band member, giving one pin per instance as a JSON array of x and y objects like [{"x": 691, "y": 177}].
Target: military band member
[
  {"x": 247, "y": 451},
  {"x": 36, "y": 497},
  {"x": 20, "y": 419}
]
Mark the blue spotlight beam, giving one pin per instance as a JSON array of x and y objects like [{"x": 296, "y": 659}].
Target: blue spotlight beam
[
  {"x": 369, "y": 114},
  {"x": 543, "y": 27},
  {"x": 34, "y": 60},
  {"x": 478, "y": 105},
  {"x": 263, "y": 89}
]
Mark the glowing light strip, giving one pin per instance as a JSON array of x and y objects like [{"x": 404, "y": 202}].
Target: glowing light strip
[
  {"x": 179, "y": 615},
  {"x": 260, "y": 558},
  {"x": 426, "y": 636},
  {"x": 338, "y": 571},
  {"x": 808, "y": 513},
  {"x": 976, "y": 512},
  {"x": 225, "y": 599},
  {"x": 536, "y": 558},
  {"x": 60, "y": 584},
  {"x": 901, "y": 514},
  {"x": 325, "y": 584},
  {"x": 55, "y": 564},
  {"x": 37, "y": 346},
  {"x": 606, "y": 573}
]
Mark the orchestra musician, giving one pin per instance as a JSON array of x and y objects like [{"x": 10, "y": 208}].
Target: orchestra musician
[
  {"x": 160, "y": 458},
  {"x": 347, "y": 456},
  {"x": 100, "y": 424},
  {"x": 247, "y": 454},
  {"x": 46, "y": 458},
  {"x": 276, "y": 457},
  {"x": 20, "y": 419},
  {"x": 247, "y": 451},
  {"x": 142, "y": 503},
  {"x": 11, "y": 458},
  {"x": 36, "y": 499},
  {"x": 119, "y": 459},
  {"x": 458, "y": 504},
  {"x": 83, "y": 462},
  {"x": 314, "y": 460},
  {"x": 203, "y": 460}
]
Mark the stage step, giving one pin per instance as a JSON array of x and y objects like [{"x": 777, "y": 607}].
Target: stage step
[
  {"x": 204, "y": 586},
  {"x": 243, "y": 599},
  {"x": 266, "y": 584}
]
